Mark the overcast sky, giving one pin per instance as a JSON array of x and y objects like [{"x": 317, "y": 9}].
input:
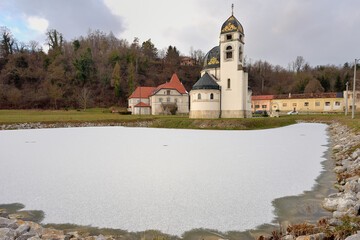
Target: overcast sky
[{"x": 322, "y": 31}]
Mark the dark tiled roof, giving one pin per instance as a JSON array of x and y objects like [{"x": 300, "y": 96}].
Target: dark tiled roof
[
  {"x": 206, "y": 82},
  {"x": 232, "y": 25},
  {"x": 212, "y": 58}
]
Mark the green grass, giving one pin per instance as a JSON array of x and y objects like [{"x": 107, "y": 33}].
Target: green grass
[
  {"x": 104, "y": 115},
  {"x": 49, "y": 116}
]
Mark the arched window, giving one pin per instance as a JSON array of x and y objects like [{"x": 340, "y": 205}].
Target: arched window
[
  {"x": 228, "y": 83},
  {"x": 199, "y": 96},
  {"x": 228, "y": 52},
  {"x": 211, "y": 96}
]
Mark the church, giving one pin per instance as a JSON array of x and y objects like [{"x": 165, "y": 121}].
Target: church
[{"x": 222, "y": 91}]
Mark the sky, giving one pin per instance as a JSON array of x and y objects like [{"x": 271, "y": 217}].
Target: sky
[{"x": 322, "y": 31}]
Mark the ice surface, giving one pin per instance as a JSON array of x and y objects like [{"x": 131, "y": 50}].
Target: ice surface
[{"x": 167, "y": 179}]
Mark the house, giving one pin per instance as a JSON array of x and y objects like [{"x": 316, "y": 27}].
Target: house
[
  {"x": 139, "y": 101},
  {"x": 168, "y": 98},
  {"x": 305, "y": 103},
  {"x": 310, "y": 102},
  {"x": 222, "y": 91},
  {"x": 350, "y": 100},
  {"x": 187, "y": 61},
  {"x": 261, "y": 102}
]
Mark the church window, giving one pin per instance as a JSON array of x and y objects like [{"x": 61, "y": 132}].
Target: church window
[
  {"x": 160, "y": 99},
  {"x": 228, "y": 52},
  {"x": 199, "y": 96},
  {"x": 168, "y": 100},
  {"x": 211, "y": 96},
  {"x": 228, "y": 83},
  {"x": 228, "y": 37}
]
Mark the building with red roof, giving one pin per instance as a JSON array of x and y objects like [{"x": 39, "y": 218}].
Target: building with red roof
[{"x": 168, "y": 98}]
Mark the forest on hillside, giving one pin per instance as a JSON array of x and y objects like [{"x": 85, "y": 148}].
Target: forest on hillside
[{"x": 100, "y": 70}]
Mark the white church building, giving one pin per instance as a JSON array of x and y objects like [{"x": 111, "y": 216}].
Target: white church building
[{"x": 222, "y": 91}]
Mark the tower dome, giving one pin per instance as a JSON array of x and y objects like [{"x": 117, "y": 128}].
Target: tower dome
[
  {"x": 232, "y": 25},
  {"x": 212, "y": 58}
]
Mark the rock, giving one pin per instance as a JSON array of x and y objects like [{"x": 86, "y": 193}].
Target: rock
[
  {"x": 352, "y": 186},
  {"x": 335, "y": 222},
  {"x": 340, "y": 202},
  {"x": 353, "y": 237},
  {"x": 7, "y": 234},
  {"x": 73, "y": 234},
  {"x": 26, "y": 236},
  {"x": 34, "y": 238},
  {"x": 340, "y": 169},
  {"x": 337, "y": 147},
  {"x": 5, "y": 222},
  {"x": 22, "y": 229},
  {"x": 356, "y": 153},
  {"x": 338, "y": 214},
  {"x": 15, "y": 216},
  {"x": 318, "y": 236},
  {"x": 288, "y": 237},
  {"x": 100, "y": 237}
]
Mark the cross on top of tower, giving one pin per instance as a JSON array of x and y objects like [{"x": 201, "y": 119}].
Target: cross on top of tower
[{"x": 232, "y": 9}]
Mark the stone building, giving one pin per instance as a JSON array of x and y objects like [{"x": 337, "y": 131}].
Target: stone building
[{"x": 222, "y": 91}]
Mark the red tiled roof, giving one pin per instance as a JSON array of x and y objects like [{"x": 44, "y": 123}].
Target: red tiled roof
[
  {"x": 306, "y": 95},
  {"x": 173, "y": 84},
  {"x": 145, "y": 92},
  {"x": 262, "y": 97},
  {"x": 141, "y": 104}
]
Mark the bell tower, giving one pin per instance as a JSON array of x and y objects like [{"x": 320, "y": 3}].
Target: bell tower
[
  {"x": 233, "y": 79},
  {"x": 232, "y": 43}
]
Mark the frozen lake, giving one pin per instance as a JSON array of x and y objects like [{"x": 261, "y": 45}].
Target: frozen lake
[{"x": 166, "y": 179}]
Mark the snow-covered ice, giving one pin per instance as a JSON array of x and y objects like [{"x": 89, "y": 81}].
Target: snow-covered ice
[{"x": 167, "y": 179}]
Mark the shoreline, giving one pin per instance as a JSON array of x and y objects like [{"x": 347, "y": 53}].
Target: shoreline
[{"x": 265, "y": 229}]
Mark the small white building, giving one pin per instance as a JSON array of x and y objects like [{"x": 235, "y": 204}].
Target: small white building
[
  {"x": 222, "y": 91},
  {"x": 168, "y": 98}
]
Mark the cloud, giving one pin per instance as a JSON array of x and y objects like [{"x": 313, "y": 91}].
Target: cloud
[
  {"x": 38, "y": 24},
  {"x": 322, "y": 31},
  {"x": 71, "y": 18}
]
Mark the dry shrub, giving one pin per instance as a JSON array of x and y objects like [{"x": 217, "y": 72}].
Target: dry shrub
[{"x": 302, "y": 229}]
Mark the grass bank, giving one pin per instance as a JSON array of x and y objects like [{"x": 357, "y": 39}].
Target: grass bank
[{"x": 104, "y": 115}]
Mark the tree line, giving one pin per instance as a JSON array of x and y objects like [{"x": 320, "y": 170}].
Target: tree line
[{"x": 100, "y": 70}]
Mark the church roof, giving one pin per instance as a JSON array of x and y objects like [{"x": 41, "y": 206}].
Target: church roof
[
  {"x": 206, "y": 82},
  {"x": 173, "y": 84},
  {"x": 232, "y": 25},
  {"x": 212, "y": 58}
]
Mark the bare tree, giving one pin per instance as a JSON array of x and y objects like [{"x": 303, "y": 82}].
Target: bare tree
[
  {"x": 298, "y": 64},
  {"x": 84, "y": 98}
]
